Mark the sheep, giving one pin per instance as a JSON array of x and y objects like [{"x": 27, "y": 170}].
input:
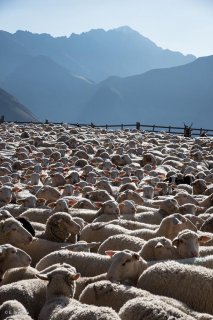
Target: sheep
[
  {"x": 109, "y": 210},
  {"x": 59, "y": 303},
  {"x": 159, "y": 279},
  {"x": 42, "y": 214},
  {"x": 127, "y": 207},
  {"x": 125, "y": 266},
  {"x": 40, "y": 248},
  {"x": 30, "y": 293},
  {"x": 106, "y": 293},
  {"x": 50, "y": 194},
  {"x": 59, "y": 291},
  {"x": 128, "y": 224},
  {"x": 12, "y": 231},
  {"x": 11, "y": 257},
  {"x": 88, "y": 264},
  {"x": 81, "y": 246},
  {"x": 150, "y": 309},
  {"x": 169, "y": 227},
  {"x": 207, "y": 225},
  {"x": 30, "y": 201},
  {"x": 12, "y": 309},
  {"x": 6, "y": 194},
  {"x": 187, "y": 243},
  {"x": 166, "y": 207},
  {"x": 37, "y": 214},
  {"x": 17, "y": 274},
  {"x": 59, "y": 226},
  {"x": 205, "y": 251},
  {"x": 84, "y": 203},
  {"x": 99, "y": 196},
  {"x": 130, "y": 195},
  {"x": 100, "y": 232},
  {"x": 4, "y": 214},
  {"x": 155, "y": 249},
  {"x": 121, "y": 242}
]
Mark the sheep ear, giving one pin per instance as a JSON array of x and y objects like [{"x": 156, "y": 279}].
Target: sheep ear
[
  {"x": 203, "y": 239},
  {"x": 110, "y": 253},
  {"x": 98, "y": 204},
  {"x": 175, "y": 242},
  {"x": 136, "y": 256},
  {"x": 51, "y": 205},
  {"x": 75, "y": 276},
  {"x": 16, "y": 189},
  {"x": 42, "y": 277},
  {"x": 159, "y": 245},
  {"x": 72, "y": 201}
]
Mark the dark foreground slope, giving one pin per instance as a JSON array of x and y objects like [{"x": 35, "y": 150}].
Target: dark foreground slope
[{"x": 12, "y": 110}]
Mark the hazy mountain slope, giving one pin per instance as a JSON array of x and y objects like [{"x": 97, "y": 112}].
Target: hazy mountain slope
[
  {"x": 12, "y": 110},
  {"x": 98, "y": 54},
  {"x": 48, "y": 89},
  {"x": 164, "y": 96},
  {"x": 12, "y": 54}
]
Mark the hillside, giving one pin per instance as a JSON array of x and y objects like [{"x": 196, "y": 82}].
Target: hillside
[
  {"x": 164, "y": 96},
  {"x": 98, "y": 54},
  {"x": 12, "y": 110},
  {"x": 48, "y": 89}
]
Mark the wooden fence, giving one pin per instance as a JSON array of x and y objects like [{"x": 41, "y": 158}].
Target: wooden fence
[{"x": 187, "y": 131}]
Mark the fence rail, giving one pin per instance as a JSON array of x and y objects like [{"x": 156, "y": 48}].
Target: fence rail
[{"x": 187, "y": 131}]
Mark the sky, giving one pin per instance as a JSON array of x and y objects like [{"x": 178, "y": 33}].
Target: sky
[{"x": 179, "y": 25}]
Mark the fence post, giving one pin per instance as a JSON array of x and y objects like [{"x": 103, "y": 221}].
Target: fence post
[
  {"x": 153, "y": 128},
  {"x": 169, "y": 128},
  {"x": 138, "y": 126},
  {"x": 106, "y": 126},
  {"x": 46, "y": 121},
  {"x": 122, "y": 126},
  {"x": 2, "y": 119}
]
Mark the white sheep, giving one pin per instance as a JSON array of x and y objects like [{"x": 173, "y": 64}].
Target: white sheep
[
  {"x": 59, "y": 226},
  {"x": 12, "y": 231},
  {"x": 147, "y": 308},
  {"x": 169, "y": 227},
  {"x": 159, "y": 279},
  {"x": 109, "y": 210},
  {"x": 99, "y": 196},
  {"x": 100, "y": 232},
  {"x": 30, "y": 293},
  {"x": 59, "y": 303},
  {"x": 50, "y": 194},
  {"x": 12, "y": 309},
  {"x": 12, "y": 257},
  {"x": 17, "y": 274},
  {"x": 121, "y": 242},
  {"x": 106, "y": 293},
  {"x": 87, "y": 263}
]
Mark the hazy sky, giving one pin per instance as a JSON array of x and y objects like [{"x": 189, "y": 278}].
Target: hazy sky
[{"x": 180, "y": 25}]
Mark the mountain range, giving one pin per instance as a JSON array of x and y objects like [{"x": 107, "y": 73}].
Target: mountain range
[{"x": 116, "y": 76}]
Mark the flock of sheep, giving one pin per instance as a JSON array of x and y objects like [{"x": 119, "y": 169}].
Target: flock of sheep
[{"x": 104, "y": 224}]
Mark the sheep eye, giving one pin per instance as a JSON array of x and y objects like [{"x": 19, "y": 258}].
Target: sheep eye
[{"x": 123, "y": 264}]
